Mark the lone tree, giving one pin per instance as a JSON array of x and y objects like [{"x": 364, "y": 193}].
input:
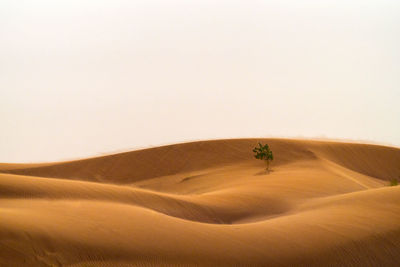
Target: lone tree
[{"x": 263, "y": 153}]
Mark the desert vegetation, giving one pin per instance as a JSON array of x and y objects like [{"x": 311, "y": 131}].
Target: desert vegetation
[{"x": 263, "y": 152}]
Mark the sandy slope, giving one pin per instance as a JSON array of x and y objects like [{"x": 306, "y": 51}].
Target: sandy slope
[{"x": 206, "y": 204}]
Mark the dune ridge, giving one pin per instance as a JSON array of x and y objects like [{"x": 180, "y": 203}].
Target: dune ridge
[
  {"x": 206, "y": 203},
  {"x": 373, "y": 160}
]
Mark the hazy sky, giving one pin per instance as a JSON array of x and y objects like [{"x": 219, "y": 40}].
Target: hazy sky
[{"x": 81, "y": 78}]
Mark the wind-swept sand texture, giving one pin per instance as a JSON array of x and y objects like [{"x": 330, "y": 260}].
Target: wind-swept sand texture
[{"x": 206, "y": 204}]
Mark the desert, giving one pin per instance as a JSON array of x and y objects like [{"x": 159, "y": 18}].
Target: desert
[{"x": 206, "y": 203}]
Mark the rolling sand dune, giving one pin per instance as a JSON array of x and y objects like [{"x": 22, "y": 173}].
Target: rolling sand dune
[{"x": 206, "y": 203}]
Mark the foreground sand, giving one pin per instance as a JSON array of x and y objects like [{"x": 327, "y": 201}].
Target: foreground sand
[{"x": 206, "y": 204}]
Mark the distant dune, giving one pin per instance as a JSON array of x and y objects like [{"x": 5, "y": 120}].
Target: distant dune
[{"x": 207, "y": 203}]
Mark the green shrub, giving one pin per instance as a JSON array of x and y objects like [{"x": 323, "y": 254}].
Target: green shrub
[
  {"x": 394, "y": 182},
  {"x": 263, "y": 153}
]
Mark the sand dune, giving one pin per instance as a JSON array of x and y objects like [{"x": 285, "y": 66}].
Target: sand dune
[{"x": 206, "y": 204}]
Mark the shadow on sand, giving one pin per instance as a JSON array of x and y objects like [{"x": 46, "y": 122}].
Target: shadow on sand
[{"x": 264, "y": 172}]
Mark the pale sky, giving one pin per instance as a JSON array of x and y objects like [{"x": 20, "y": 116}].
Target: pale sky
[{"x": 81, "y": 78}]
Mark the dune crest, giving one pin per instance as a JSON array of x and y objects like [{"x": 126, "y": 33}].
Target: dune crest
[{"x": 206, "y": 203}]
